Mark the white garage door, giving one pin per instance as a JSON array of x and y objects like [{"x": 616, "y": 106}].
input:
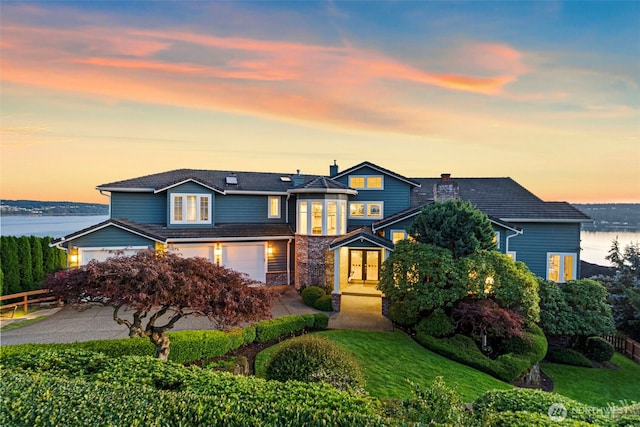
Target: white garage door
[
  {"x": 196, "y": 251},
  {"x": 249, "y": 259},
  {"x": 101, "y": 254}
]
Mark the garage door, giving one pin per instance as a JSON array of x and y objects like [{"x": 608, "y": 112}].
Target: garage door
[
  {"x": 101, "y": 254},
  {"x": 247, "y": 259},
  {"x": 196, "y": 251}
]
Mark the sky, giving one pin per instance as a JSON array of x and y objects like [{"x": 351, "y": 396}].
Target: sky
[{"x": 544, "y": 92}]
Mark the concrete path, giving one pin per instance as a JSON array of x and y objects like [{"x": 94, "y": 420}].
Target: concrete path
[{"x": 66, "y": 324}]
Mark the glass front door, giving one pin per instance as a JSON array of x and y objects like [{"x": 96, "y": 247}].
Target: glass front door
[{"x": 364, "y": 265}]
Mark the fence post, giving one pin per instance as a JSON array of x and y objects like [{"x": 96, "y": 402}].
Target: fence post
[{"x": 25, "y": 304}]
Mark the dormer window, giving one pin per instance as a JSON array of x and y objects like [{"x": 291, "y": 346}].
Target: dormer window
[
  {"x": 190, "y": 209},
  {"x": 366, "y": 182}
]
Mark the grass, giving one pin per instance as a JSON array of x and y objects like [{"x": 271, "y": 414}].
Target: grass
[
  {"x": 389, "y": 359},
  {"x": 21, "y": 323},
  {"x": 597, "y": 387}
]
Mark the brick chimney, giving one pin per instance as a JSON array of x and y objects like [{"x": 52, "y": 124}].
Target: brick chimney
[
  {"x": 333, "y": 169},
  {"x": 446, "y": 189}
]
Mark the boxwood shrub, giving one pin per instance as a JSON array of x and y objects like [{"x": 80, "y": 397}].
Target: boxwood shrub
[
  {"x": 399, "y": 314},
  {"x": 311, "y": 358},
  {"x": 596, "y": 348},
  {"x": 321, "y": 321},
  {"x": 324, "y": 303},
  {"x": 267, "y": 330},
  {"x": 568, "y": 356},
  {"x": 311, "y": 294}
]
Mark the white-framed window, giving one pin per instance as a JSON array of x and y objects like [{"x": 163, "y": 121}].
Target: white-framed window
[
  {"x": 190, "y": 209},
  {"x": 561, "y": 267},
  {"x": 366, "y": 182},
  {"x": 397, "y": 235},
  {"x": 322, "y": 217},
  {"x": 512, "y": 255},
  {"x": 274, "y": 207},
  {"x": 496, "y": 239},
  {"x": 366, "y": 210}
]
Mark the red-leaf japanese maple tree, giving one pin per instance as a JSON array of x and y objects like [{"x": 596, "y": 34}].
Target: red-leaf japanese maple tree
[{"x": 162, "y": 287}]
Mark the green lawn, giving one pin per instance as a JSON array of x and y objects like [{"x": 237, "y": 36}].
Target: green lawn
[
  {"x": 390, "y": 358},
  {"x": 597, "y": 387}
]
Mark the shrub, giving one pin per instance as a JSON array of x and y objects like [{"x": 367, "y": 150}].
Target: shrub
[
  {"x": 188, "y": 346},
  {"x": 568, "y": 356},
  {"x": 63, "y": 362},
  {"x": 598, "y": 349},
  {"x": 267, "y": 330},
  {"x": 324, "y": 303},
  {"x": 533, "y": 344},
  {"x": 315, "y": 359},
  {"x": 309, "y": 320},
  {"x": 321, "y": 321},
  {"x": 249, "y": 334},
  {"x": 398, "y": 313},
  {"x": 434, "y": 405},
  {"x": 437, "y": 324},
  {"x": 311, "y": 294},
  {"x": 224, "y": 400}
]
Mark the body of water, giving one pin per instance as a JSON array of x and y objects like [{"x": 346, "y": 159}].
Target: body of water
[
  {"x": 595, "y": 244},
  {"x": 43, "y": 226}
]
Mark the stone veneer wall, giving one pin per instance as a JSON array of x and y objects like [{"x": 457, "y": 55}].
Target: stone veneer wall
[
  {"x": 313, "y": 261},
  {"x": 275, "y": 278}
]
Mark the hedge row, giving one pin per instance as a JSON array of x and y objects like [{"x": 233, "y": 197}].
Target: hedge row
[
  {"x": 38, "y": 400},
  {"x": 463, "y": 349},
  {"x": 190, "y": 346},
  {"x": 527, "y": 407}
]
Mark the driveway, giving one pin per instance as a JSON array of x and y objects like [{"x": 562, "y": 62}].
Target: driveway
[{"x": 67, "y": 324}]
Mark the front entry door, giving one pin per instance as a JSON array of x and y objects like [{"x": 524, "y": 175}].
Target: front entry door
[{"x": 365, "y": 265}]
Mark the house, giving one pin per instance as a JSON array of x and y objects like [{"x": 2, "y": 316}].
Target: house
[{"x": 333, "y": 230}]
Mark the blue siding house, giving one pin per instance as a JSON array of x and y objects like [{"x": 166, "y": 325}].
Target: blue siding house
[{"x": 333, "y": 231}]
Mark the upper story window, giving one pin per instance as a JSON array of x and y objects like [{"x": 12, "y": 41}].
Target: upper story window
[
  {"x": 397, "y": 235},
  {"x": 496, "y": 239},
  {"x": 190, "y": 209},
  {"x": 561, "y": 267},
  {"x": 366, "y": 182},
  {"x": 274, "y": 207},
  {"x": 365, "y": 210},
  {"x": 322, "y": 217}
]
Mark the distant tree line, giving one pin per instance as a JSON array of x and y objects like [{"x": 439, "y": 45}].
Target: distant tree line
[{"x": 25, "y": 262}]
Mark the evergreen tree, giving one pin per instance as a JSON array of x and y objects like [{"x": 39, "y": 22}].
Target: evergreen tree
[
  {"x": 25, "y": 264},
  {"x": 455, "y": 225},
  {"x": 50, "y": 260},
  {"x": 38, "y": 261},
  {"x": 10, "y": 265},
  {"x": 62, "y": 259}
]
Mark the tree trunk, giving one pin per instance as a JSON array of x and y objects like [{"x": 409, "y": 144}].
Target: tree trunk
[{"x": 161, "y": 341}]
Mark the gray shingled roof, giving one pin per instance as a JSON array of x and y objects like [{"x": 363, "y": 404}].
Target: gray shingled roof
[
  {"x": 361, "y": 233},
  {"x": 376, "y": 167},
  {"x": 247, "y": 181},
  {"x": 323, "y": 184},
  {"x": 501, "y": 198}
]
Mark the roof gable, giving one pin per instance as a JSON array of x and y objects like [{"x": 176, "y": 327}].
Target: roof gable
[{"x": 375, "y": 167}]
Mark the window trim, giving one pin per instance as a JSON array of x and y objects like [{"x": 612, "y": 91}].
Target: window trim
[
  {"x": 184, "y": 206},
  {"x": 366, "y": 210},
  {"x": 497, "y": 237},
  {"x": 270, "y": 213},
  {"x": 307, "y": 218},
  {"x": 561, "y": 266}
]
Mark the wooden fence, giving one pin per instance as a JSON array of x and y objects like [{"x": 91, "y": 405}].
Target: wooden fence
[
  {"x": 626, "y": 346},
  {"x": 26, "y": 298}
]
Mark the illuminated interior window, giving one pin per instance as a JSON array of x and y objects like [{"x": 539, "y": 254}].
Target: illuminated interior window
[
  {"x": 302, "y": 218},
  {"x": 397, "y": 235},
  {"x": 356, "y": 181},
  {"x": 367, "y": 182},
  {"x": 374, "y": 182},
  {"x": 365, "y": 210},
  {"x": 191, "y": 209},
  {"x": 561, "y": 267},
  {"x": 316, "y": 218},
  {"x": 332, "y": 220},
  {"x": 274, "y": 207}
]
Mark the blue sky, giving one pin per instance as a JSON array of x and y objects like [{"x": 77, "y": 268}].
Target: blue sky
[{"x": 544, "y": 92}]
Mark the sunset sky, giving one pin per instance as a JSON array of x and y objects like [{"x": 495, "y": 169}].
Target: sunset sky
[{"x": 544, "y": 92}]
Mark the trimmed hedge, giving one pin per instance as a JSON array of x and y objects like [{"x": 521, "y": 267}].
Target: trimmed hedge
[
  {"x": 463, "y": 349},
  {"x": 36, "y": 400},
  {"x": 568, "y": 356},
  {"x": 324, "y": 303},
  {"x": 187, "y": 346},
  {"x": 311, "y": 358},
  {"x": 596, "y": 348},
  {"x": 267, "y": 330},
  {"x": 437, "y": 324}
]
